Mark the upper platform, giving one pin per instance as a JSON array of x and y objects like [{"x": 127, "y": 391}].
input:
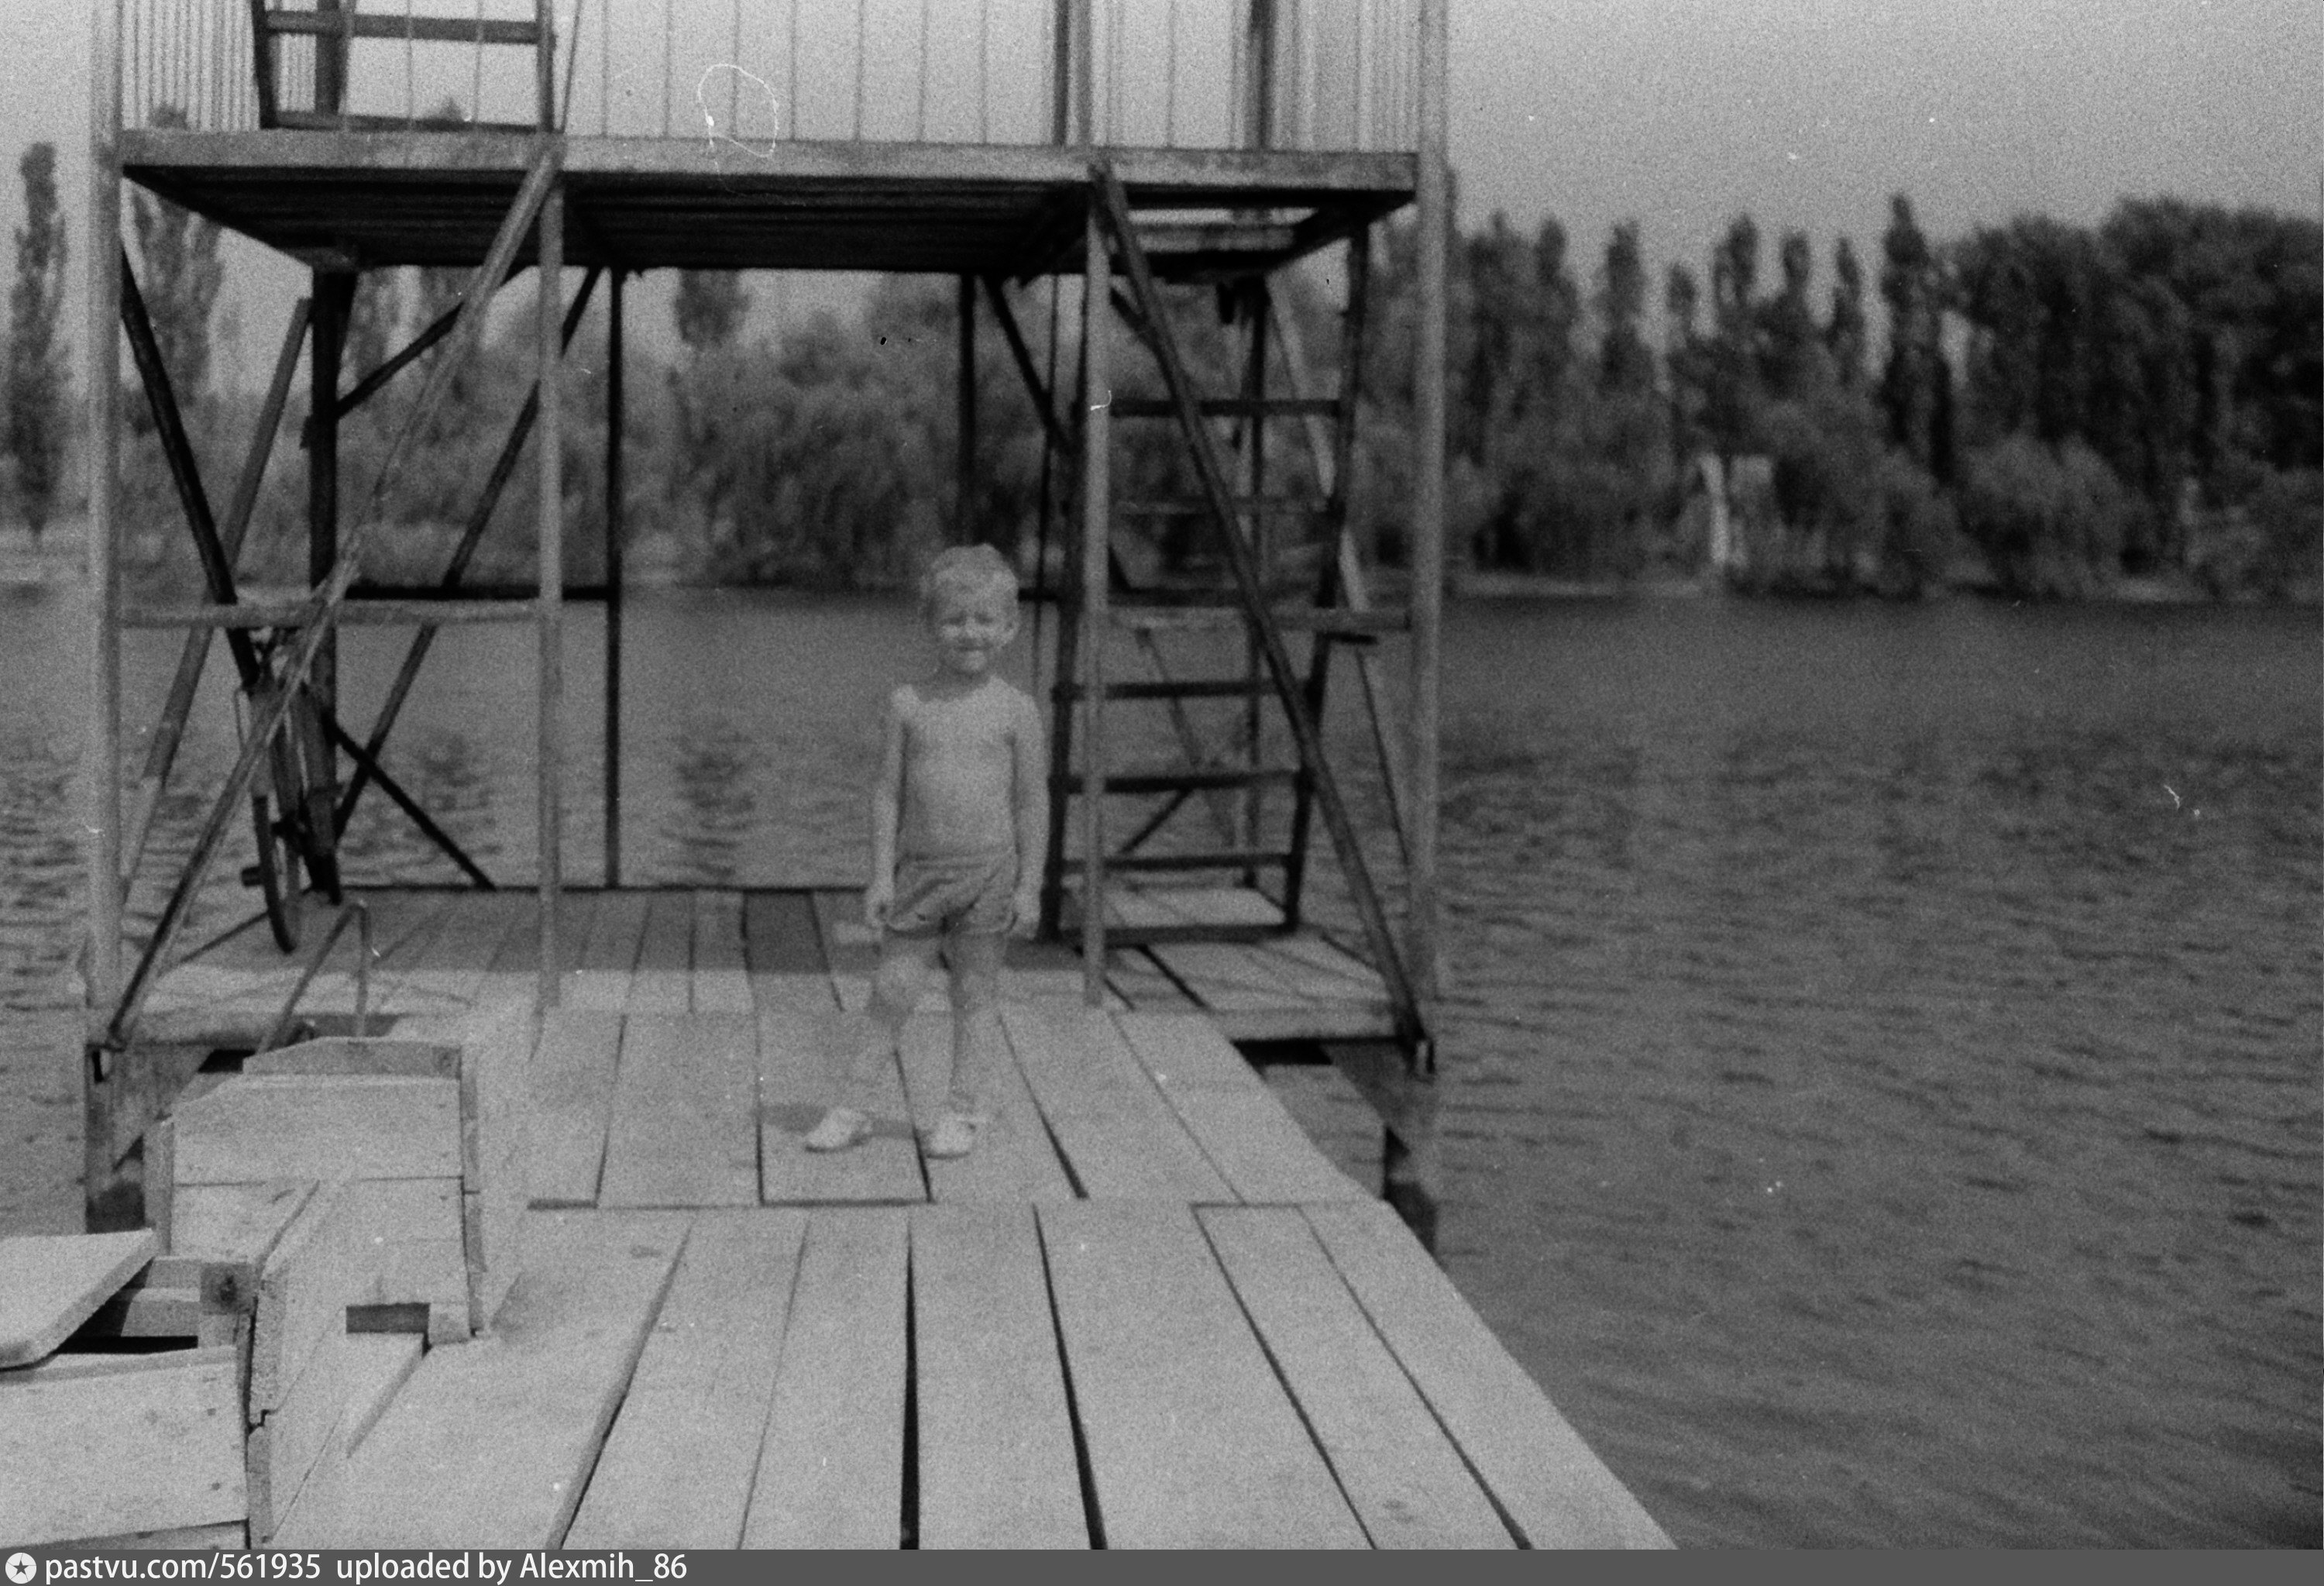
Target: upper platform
[
  {"x": 807, "y": 135},
  {"x": 374, "y": 198}
]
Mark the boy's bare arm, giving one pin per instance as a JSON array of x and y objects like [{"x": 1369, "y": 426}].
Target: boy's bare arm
[
  {"x": 887, "y": 806},
  {"x": 1032, "y": 780}
]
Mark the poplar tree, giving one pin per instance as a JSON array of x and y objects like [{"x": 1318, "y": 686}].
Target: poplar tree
[
  {"x": 1916, "y": 390},
  {"x": 34, "y": 378},
  {"x": 1843, "y": 332},
  {"x": 1625, "y": 364}
]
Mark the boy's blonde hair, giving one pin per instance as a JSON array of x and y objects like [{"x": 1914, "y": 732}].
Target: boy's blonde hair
[{"x": 970, "y": 569}]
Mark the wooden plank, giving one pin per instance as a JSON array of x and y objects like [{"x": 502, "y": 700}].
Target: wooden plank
[
  {"x": 799, "y": 1055},
  {"x": 1400, "y": 1472},
  {"x": 1262, "y": 1149},
  {"x": 685, "y": 1122},
  {"x": 496, "y": 1046},
  {"x": 226, "y": 1536},
  {"x": 319, "y": 1268},
  {"x": 781, "y": 935},
  {"x": 783, "y": 950},
  {"x": 721, "y": 981},
  {"x": 457, "y": 964},
  {"x": 1553, "y": 1492},
  {"x": 50, "y": 1284},
  {"x": 996, "y": 1467},
  {"x": 99, "y": 1445},
  {"x": 490, "y": 1445},
  {"x": 1229, "y": 975},
  {"x": 1191, "y": 1441},
  {"x": 831, "y": 1468},
  {"x": 296, "y": 1412},
  {"x": 370, "y": 1368},
  {"x": 677, "y": 1469},
  {"x": 1122, "y": 1139},
  {"x": 569, "y": 1103},
  {"x": 336, "y": 1057},
  {"x": 269, "y": 1127},
  {"x": 1255, "y": 1144},
  {"x": 1184, "y": 1052},
  {"x": 1307, "y": 1021},
  {"x": 1014, "y": 1160},
  {"x": 664, "y": 952},
  {"x": 609, "y": 956},
  {"x": 417, "y": 1250},
  {"x": 237, "y": 1221}
]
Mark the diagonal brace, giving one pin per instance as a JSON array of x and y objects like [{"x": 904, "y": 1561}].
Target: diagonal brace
[{"x": 504, "y": 469}]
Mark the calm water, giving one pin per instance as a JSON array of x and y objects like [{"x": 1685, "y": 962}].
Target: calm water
[{"x": 1883, "y": 1063}]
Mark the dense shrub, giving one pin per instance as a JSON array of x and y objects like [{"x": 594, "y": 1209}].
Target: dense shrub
[{"x": 2052, "y": 522}]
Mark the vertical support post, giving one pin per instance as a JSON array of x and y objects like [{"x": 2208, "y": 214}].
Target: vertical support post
[
  {"x": 331, "y": 64},
  {"x": 1427, "y": 552},
  {"x": 550, "y": 442},
  {"x": 1253, "y": 309},
  {"x": 1061, "y": 70},
  {"x": 614, "y": 409},
  {"x": 1261, "y": 107},
  {"x": 964, "y": 482},
  {"x": 101, "y": 749},
  {"x": 544, "y": 59},
  {"x": 1408, "y": 1157},
  {"x": 334, "y": 296},
  {"x": 1097, "y": 456},
  {"x": 1085, "y": 71}
]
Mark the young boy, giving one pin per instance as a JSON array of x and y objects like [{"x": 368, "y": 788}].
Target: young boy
[{"x": 959, "y": 814}]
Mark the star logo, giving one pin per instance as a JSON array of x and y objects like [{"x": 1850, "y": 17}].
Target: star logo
[{"x": 22, "y": 1567}]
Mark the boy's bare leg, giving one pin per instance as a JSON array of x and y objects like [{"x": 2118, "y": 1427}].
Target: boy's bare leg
[
  {"x": 974, "y": 962},
  {"x": 873, "y": 1037}
]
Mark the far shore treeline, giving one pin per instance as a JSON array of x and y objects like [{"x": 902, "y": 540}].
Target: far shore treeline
[{"x": 2045, "y": 410}]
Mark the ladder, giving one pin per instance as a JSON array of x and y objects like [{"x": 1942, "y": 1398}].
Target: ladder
[{"x": 1289, "y": 559}]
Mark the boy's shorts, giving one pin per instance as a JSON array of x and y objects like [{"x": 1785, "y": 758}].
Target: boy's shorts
[{"x": 971, "y": 894}]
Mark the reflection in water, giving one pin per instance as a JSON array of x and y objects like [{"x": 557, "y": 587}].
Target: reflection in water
[
  {"x": 1881, "y": 1048},
  {"x": 707, "y": 827}
]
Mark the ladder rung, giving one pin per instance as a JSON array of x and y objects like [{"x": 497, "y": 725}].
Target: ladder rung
[
  {"x": 1229, "y": 408},
  {"x": 1309, "y": 619},
  {"x": 1178, "y": 781},
  {"x": 1187, "y": 506},
  {"x": 1184, "y": 688},
  {"x": 1223, "y": 859}
]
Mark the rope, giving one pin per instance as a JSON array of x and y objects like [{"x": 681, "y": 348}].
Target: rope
[
  {"x": 793, "y": 68},
  {"x": 920, "y": 128},
  {"x": 604, "y": 67},
  {"x": 984, "y": 72}
]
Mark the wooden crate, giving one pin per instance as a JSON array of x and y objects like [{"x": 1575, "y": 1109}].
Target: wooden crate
[{"x": 105, "y": 1445}]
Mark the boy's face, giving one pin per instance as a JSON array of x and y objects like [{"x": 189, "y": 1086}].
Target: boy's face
[{"x": 971, "y": 627}]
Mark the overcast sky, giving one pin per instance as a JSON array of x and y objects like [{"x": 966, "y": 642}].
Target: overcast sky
[{"x": 1681, "y": 113}]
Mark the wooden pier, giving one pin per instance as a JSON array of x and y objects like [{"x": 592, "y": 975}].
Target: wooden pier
[
  {"x": 1145, "y": 1312},
  {"x": 605, "y": 1296}
]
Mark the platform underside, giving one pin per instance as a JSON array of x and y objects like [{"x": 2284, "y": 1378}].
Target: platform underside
[{"x": 364, "y": 200}]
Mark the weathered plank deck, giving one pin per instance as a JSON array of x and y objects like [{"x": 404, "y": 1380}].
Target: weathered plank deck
[
  {"x": 678, "y": 950},
  {"x": 1145, "y": 1312}
]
